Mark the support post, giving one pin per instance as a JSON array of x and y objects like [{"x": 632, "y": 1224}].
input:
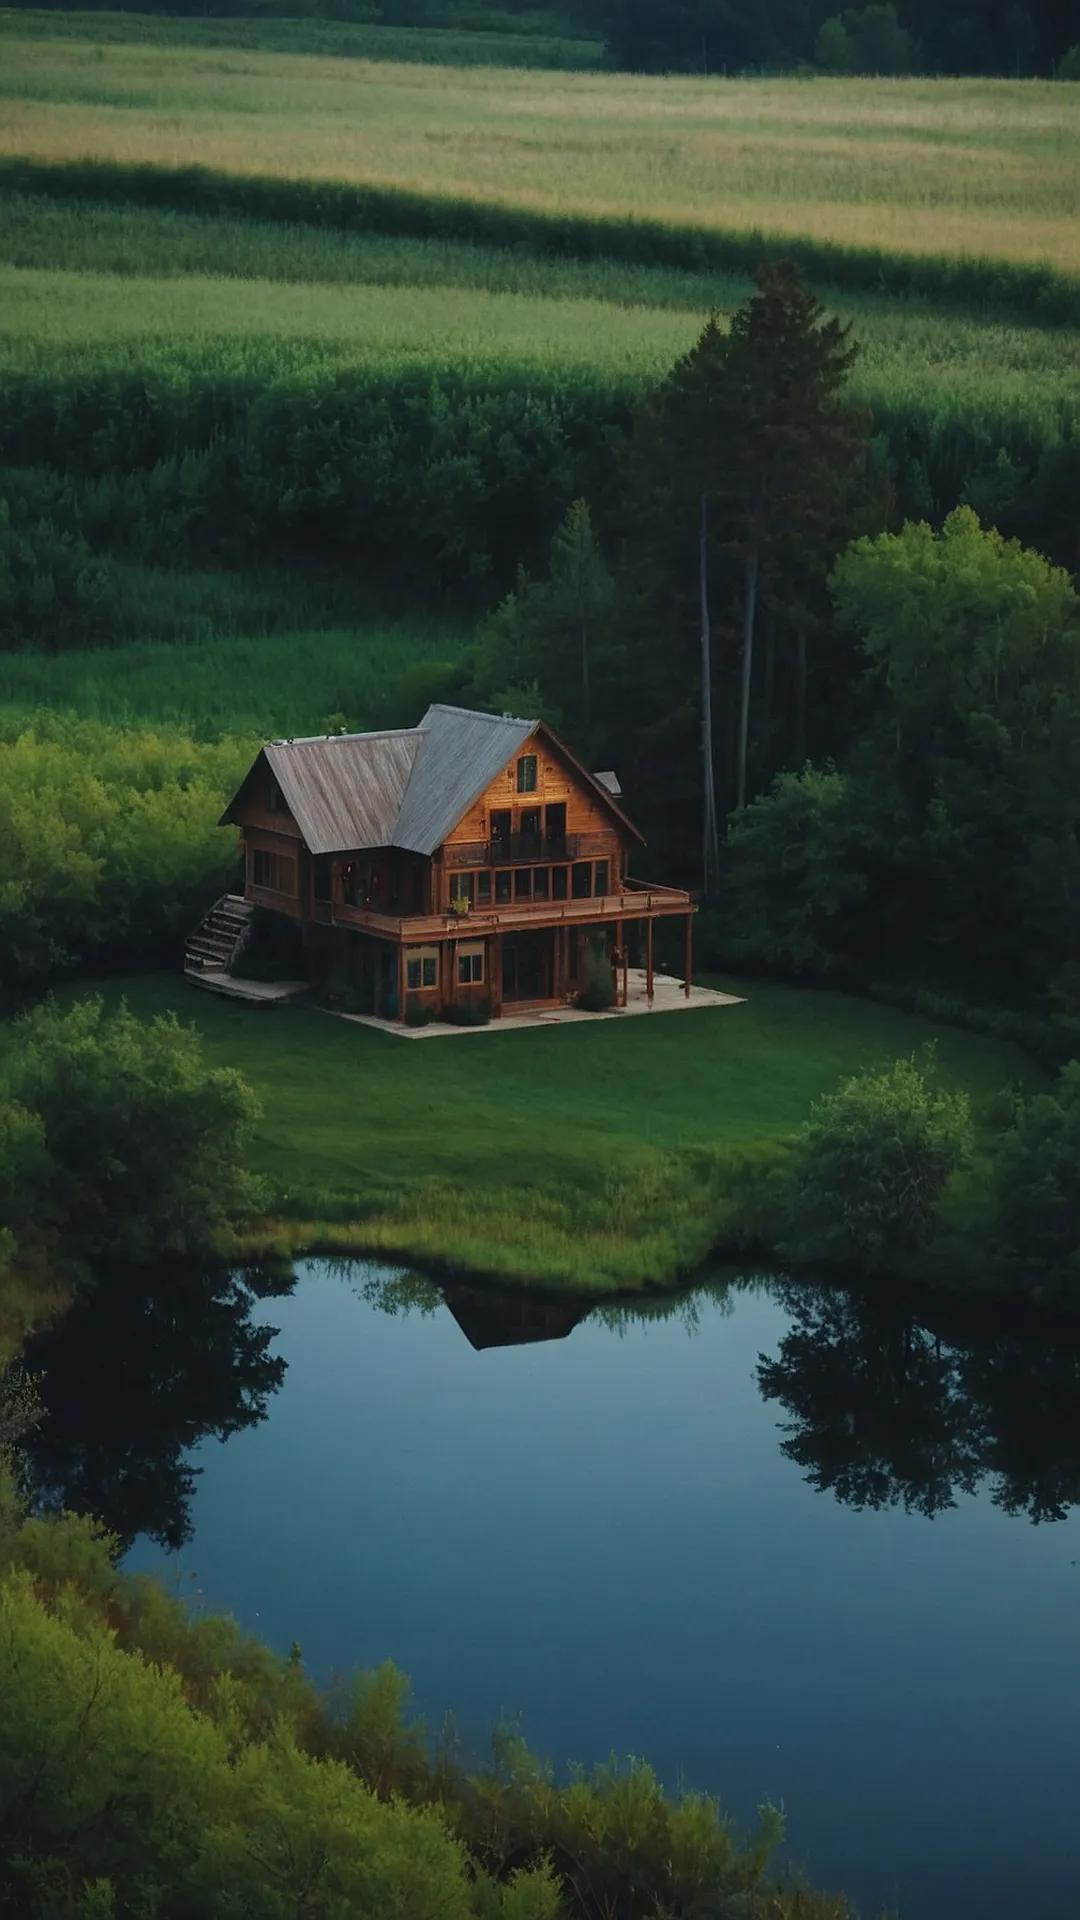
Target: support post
[
  {"x": 625, "y": 964},
  {"x": 649, "y": 982},
  {"x": 495, "y": 953},
  {"x": 401, "y": 984},
  {"x": 689, "y": 953}
]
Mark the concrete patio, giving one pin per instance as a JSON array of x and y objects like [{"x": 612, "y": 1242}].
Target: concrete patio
[{"x": 669, "y": 997}]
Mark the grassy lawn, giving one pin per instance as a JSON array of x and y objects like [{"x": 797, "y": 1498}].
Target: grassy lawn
[{"x": 576, "y": 1155}]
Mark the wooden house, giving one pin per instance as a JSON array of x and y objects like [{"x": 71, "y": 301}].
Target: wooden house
[{"x": 467, "y": 859}]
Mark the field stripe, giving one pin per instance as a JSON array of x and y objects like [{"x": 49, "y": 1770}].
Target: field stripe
[{"x": 1036, "y": 294}]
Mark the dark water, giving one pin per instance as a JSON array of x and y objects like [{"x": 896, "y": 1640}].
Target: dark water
[{"x": 783, "y": 1544}]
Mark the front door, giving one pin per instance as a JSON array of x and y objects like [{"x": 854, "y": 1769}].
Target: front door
[{"x": 528, "y": 965}]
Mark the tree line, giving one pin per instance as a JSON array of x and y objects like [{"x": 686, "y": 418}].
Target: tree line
[
  {"x": 1026, "y": 37},
  {"x": 716, "y": 36}
]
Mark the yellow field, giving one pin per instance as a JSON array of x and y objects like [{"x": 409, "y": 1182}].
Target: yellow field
[{"x": 979, "y": 168}]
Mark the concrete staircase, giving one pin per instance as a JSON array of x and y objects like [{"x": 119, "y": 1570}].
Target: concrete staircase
[{"x": 218, "y": 939}]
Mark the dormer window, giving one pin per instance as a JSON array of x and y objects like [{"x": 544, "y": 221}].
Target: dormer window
[{"x": 526, "y": 773}]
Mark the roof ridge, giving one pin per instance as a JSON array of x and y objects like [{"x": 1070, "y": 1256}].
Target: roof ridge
[
  {"x": 474, "y": 713},
  {"x": 322, "y": 739}
]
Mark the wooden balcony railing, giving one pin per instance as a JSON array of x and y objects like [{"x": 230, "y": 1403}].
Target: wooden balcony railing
[{"x": 532, "y": 850}]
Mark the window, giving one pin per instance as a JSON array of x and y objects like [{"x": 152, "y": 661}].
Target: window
[
  {"x": 502, "y": 888},
  {"x": 600, "y": 878},
  {"x": 559, "y": 876},
  {"x": 461, "y": 887},
  {"x": 500, "y": 824},
  {"x": 273, "y": 871},
  {"x": 581, "y": 880},
  {"x": 526, "y": 782},
  {"x": 470, "y": 966},
  {"x": 523, "y": 883},
  {"x": 483, "y": 889},
  {"x": 421, "y": 968},
  {"x": 541, "y": 878}
]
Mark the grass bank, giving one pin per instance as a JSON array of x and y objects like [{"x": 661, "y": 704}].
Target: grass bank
[
  {"x": 266, "y": 686},
  {"x": 596, "y": 1158}
]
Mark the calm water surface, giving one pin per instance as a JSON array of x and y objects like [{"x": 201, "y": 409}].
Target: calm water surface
[{"x": 783, "y": 1545}]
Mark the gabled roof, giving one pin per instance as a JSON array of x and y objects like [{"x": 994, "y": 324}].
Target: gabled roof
[
  {"x": 408, "y": 788},
  {"x": 462, "y": 754}
]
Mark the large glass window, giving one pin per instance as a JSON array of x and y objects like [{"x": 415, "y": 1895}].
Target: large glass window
[
  {"x": 526, "y": 773},
  {"x": 559, "y": 878},
  {"x": 503, "y": 887},
  {"x": 600, "y": 878},
  {"x": 483, "y": 889},
  {"x": 581, "y": 880},
  {"x": 523, "y": 883},
  {"x": 461, "y": 887},
  {"x": 541, "y": 883}
]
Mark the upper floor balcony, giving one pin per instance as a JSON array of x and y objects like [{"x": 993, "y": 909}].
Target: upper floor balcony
[{"x": 531, "y": 849}]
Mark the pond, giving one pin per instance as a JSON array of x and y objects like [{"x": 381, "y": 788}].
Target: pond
[{"x": 784, "y": 1542}]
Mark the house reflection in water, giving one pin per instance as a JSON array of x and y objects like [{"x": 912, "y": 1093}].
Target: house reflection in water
[{"x": 516, "y": 1320}]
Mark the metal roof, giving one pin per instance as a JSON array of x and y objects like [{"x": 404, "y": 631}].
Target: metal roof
[
  {"x": 344, "y": 792},
  {"x": 462, "y": 754},
  {"x": 353, "y": 792}
]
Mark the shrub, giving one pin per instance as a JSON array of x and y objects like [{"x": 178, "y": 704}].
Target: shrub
[
  {"x": 417, "y": 1012},
  {"x": 868, "y": 1169},
  {"x": 1037, "y": 1192},
  {"x": 597, "y": 991},
  {"x": 142, "y": 1143},
  {"x": 465, "y": 1013}
]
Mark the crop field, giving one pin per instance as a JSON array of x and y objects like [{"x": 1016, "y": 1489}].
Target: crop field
[
  {"x": 70, "y": 320},
  {"x": 973, "y": 168},
  {"x": 377, "y": 320}
]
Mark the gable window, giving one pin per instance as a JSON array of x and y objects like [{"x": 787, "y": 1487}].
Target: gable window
[
  {"x": 526, "y": 773},
  {"x": 581, "y": 880},
  {"x": 470, "y": 966}
]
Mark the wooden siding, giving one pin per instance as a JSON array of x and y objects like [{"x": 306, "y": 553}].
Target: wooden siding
[{"x": 555, "y": 782}]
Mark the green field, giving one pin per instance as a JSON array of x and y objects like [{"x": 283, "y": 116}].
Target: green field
[
  {"x": 582, "y": 1156},
  {"x": 133, "y": 287},
  {"x": 982, "y": 168},
  {"x": 282, "y": 683}
]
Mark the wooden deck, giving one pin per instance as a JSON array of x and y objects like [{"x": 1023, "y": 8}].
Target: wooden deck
[{"x": 638, "y": 902}]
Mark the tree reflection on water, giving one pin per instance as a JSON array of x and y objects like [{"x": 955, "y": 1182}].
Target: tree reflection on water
[
  {"x": 901, "y": 1403},
  {"x": 150, "y": 1363}
]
